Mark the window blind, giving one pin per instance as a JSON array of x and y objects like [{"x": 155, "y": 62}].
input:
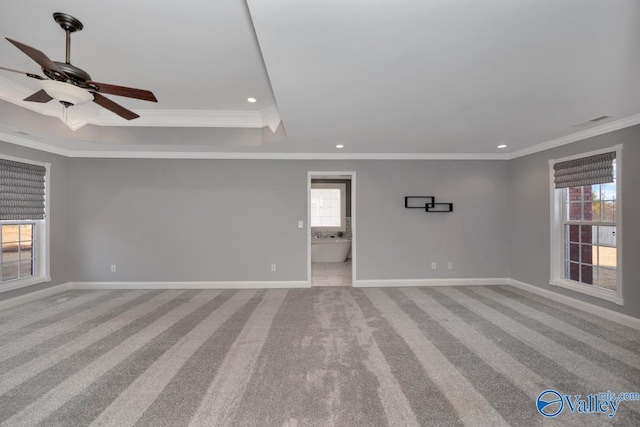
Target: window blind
[
  {"x": 21, "y": 190},
  {"x": 591, "y": 170}
]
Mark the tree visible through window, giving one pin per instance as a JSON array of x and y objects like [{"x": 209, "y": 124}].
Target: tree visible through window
[{"x": 590, "y": 234}]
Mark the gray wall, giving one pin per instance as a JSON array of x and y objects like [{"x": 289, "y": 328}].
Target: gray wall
[
  {"x": 58, "y": 215},
  {"x": 219, "y": 220},
  {"x": 530, "y": 217}
]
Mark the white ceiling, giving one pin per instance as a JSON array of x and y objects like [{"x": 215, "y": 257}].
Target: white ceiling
[{"x": 394, "y": 77}]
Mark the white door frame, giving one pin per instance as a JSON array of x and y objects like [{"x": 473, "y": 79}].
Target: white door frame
[{"x": 352, "y": 174}]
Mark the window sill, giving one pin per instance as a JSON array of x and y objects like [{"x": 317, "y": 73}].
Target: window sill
[
  {"x": 593, "y": 291},
  {"x": 328, "y": 229},
  {"x": 22, "y": 283}
]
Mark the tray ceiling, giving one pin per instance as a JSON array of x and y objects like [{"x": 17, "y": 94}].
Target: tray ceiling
[{"x": 419, "y": 79}]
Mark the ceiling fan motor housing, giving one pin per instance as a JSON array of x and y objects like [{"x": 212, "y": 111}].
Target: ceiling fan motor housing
[{"x": 77, "y": 76}]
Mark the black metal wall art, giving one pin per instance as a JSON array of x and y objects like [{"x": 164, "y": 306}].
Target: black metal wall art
[
  {"x": 418, "y": 202},
  {"x": 428, "y": 203}
]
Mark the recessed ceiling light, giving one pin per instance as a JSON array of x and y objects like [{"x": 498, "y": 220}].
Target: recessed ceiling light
[
  {"x": 502, "y": 146},
  {"x": 339, "y": 146},
  {"x": 251, "y": 99}
]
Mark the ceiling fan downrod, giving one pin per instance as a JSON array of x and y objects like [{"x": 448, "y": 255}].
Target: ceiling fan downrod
[
  {"x": 74, "y": 75},
  {"x": 70, "y": 25}
]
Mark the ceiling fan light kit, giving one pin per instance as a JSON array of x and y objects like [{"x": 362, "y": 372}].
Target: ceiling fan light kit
[
  {"x": 71, "y": 85},
  {"x": 67, "y": 94}
]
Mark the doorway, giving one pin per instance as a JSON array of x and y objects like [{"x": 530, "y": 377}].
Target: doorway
[{"x": 331, "y": 228}]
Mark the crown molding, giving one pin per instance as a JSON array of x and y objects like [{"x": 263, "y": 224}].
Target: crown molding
[
  {"x": 283, "y": 156},
  {"x": 29, "y": 143},
  {"x": 36, "y": 145},
  {"x": 578, "y": 136},
  {"x": 184, "y": 118},
  {"x": 271, "y": 117}
]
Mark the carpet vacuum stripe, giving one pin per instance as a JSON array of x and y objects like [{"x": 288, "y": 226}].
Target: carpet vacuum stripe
[{"x": 454, "y": 356}]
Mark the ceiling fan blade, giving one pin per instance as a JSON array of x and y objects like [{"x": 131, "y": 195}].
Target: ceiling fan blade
[
  {"x": 39, "y": 96},
  {"x": 33, "y": 76},
  {"x": 129, "y": 92},
  {"x": 113, "y": 107},
  {"x": 42, "y": 59}
]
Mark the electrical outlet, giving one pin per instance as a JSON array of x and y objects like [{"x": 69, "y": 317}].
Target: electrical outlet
[
  {"x": 450, "y": 265},
  {"x": 273, "y": 267},
  {"x": 114, "y": 268},
  {"x": 433, "y": 266}
]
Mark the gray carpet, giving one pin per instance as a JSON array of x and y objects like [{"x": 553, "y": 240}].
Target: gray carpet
[{"x": 476, "y": 356}]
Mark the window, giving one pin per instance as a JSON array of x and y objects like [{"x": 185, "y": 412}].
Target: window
[
  {"x": 24, "y": 231},
  {"x": 328, "y": 207},
  {"x": 17, "y": 251},
  {"x": 586, "y": 224}
]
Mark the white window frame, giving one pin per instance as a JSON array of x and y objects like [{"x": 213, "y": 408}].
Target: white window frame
[
  {"x": 557, "y": 236},
  {"x": 41, "y": 265},
  {"x": 343, "y": 206}
]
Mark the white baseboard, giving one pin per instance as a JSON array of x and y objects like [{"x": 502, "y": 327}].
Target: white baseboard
[
  {"x": 429, "y": 282},
  {"x": 605, "y": 313},
  {"x": 193, "y": 285},
  {"x": 32, "y": 296}
]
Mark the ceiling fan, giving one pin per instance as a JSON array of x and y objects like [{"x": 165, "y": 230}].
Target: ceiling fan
[{"x": 71, "y": 85}]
